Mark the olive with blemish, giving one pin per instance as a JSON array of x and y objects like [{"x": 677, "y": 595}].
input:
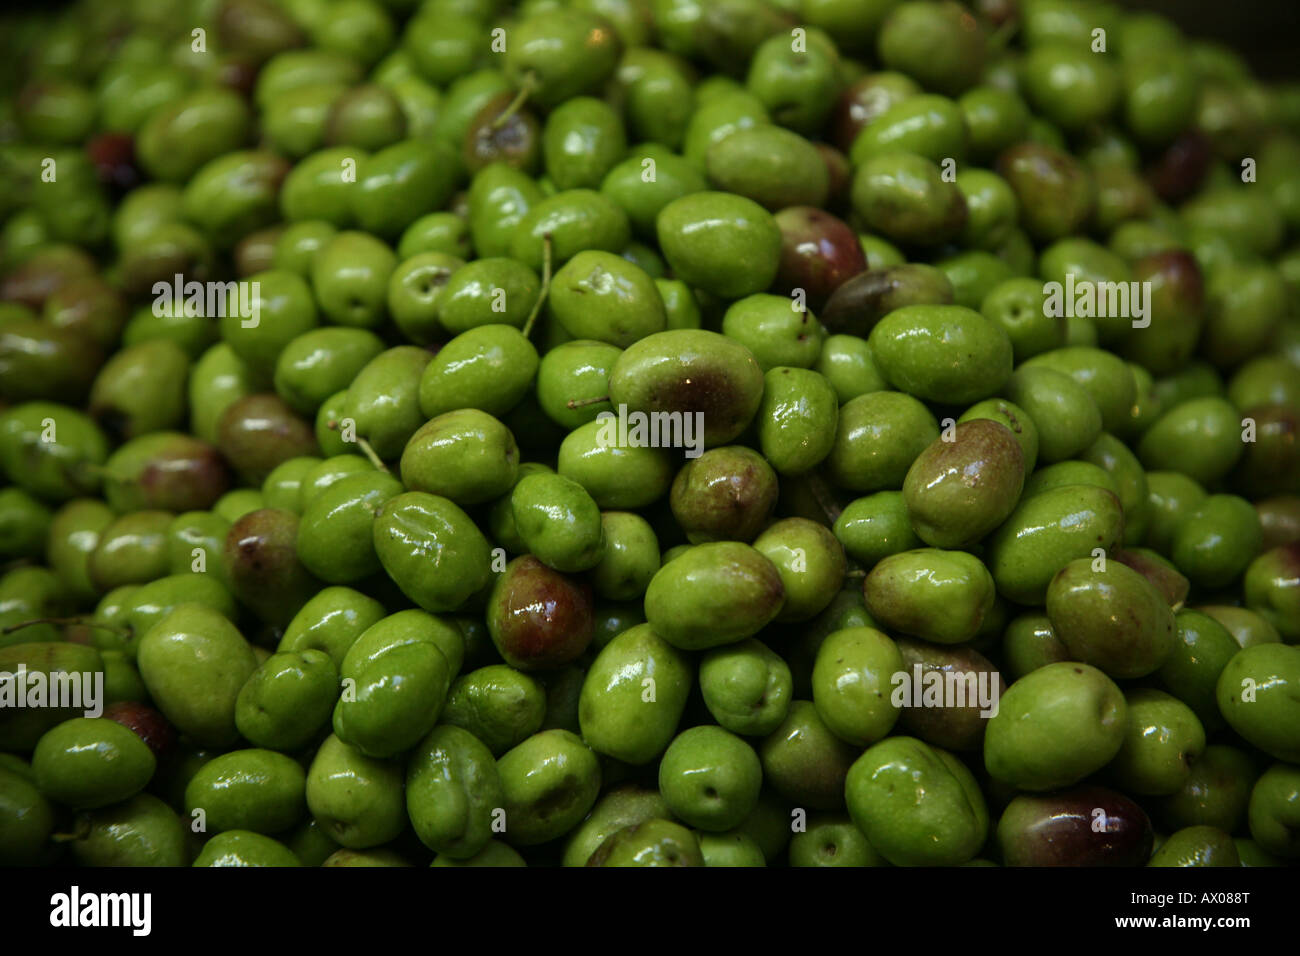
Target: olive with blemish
[
  {"x": 258, "y": 432},
  {"x": 262, "y": 561},
  {"x": 500, "y": 134},
  {"x": 727, "y": 494},
  {"x": 965, "y": 484}
]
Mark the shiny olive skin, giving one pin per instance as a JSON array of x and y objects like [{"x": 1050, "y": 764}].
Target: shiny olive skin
[
  {"x": 905, "y": 198},
  {"x": 960, "y": 489},
  {"x": 549, "y": 783},
  {"x": 415, "y": 531},
  {"x": 942, "y": 353},
  {"x": 806, "y": 242},
  {"x": 878, "y": 436},
  {"x": 194, "y": 644},
  {"x": 937, "y": 595},
  {"x": 1197, "y": 846},
  {"x": 87, "y": 763},
  {"x": 1130, "y": 645},
  {"x": 558, "y": 521},
  {"x": 1216, "y": 792},
  {"x": 1270, "y": 587},
  {"x": 1045, "y": 533},
  {"x": 692, "y": 372},
  {"x": 257, "y": 790},
  {"x": 1065, "y": 829},
  {"x": 717, "y": 593},
  {"x": 1253, "y": 697},
  {"x": 727, "y": 494},
  {"x": 142, "y": 831},
  {"x": 538, "y": 617},
  {"x": 619, "y": 712},
  {"x": 724, "y": 244},
  {"x": 356, "y": 799},
  {"x": 499, "y": 705},
  {"x": 819, "y": 253},
  {"x": 795, "y": 419},
  {"x": 452, "y": 791},
  {"x": 902, "y": 784}
]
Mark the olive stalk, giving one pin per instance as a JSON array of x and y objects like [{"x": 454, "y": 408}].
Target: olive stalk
[{"x": 546, "y": 285}]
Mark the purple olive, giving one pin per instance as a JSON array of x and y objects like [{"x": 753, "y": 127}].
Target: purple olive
[
  {"x": 819, "y": 253},
  {"x": 1083, "y": 826}
]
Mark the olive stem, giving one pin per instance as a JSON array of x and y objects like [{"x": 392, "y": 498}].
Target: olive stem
[
  {"x": 546, "y": 285},
  {"x": 526, "y": 89},
  {"x": 583, "y": 402},
  {"x": 367, "y": 449},
  {"x": 87, "y": 622}
]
